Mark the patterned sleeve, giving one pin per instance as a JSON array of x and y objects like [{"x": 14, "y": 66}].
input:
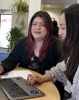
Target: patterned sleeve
[{"x": 57, "y": 72}]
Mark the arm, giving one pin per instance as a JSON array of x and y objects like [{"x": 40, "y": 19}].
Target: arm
[
  {"x": 54, "y": 72},
  {"x": 13, "y": 59},
  {"x": 33, "y": 78},
  {"x": 58, "y": 72}
]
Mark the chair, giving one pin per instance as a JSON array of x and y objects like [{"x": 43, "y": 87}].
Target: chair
[
  {"x": 3, "y": 56},
  {"x": 63, "y": 90},
  {"x": 67, "y": 94}
]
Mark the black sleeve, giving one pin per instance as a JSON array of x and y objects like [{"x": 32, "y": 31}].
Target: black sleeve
[{"x": 14, "y": 57}]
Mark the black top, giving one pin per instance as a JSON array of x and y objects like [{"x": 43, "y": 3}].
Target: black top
[
  {"x": 19, "y": 56},
  {"x": 55, "y": 31}
]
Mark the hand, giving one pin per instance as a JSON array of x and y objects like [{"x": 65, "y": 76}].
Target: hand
[
  {"x": 33, "y": 78},
  {"x": 1, "y": 69}
]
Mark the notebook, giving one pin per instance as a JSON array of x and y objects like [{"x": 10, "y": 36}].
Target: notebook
[
  {"x": 17, "y": 88},
  {"x": 17, "y": 73}
]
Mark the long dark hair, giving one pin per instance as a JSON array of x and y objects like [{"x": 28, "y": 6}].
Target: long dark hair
[
  {"x": 70, "y": 48},
  {"x": 49, "y": 39}
]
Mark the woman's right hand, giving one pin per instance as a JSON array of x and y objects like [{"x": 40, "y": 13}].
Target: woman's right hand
[
  {"x": 1, "y": 69},
  {"x": 33, "y": 78}
]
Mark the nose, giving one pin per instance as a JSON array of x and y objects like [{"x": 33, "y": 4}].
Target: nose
[
  {"x": 38, "y": 26},
  {"x": 60, "y": 32}
]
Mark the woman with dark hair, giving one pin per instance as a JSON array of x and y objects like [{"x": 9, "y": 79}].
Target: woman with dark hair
[
  {"x": 38, "y": 51},
  {"x": 66, "y": 71}
]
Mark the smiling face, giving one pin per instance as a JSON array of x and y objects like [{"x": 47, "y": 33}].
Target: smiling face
[
  {"x": 62, "y": 26},
  {"x": 38, "y": 29}
]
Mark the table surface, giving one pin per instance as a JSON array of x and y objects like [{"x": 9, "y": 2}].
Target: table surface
[{"x": 50, "y": 90}]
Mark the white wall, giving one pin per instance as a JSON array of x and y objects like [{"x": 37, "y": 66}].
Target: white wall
[
  {"x": 54, "y": 13},
  {"x": 77, "y": 1},
  {"x": 22, "y": 17},
  {"x": 5, "y": 4}
]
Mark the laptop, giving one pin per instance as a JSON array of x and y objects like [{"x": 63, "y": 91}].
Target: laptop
[
  {"x": 3, "y": 95},
  {"x": 17, "y": 88}
]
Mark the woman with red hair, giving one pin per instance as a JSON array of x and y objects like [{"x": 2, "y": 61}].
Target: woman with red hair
[{"x": 38, "y": 51}]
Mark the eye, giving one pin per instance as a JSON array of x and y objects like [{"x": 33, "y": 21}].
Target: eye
[
  {"x": 63, "y": 28},
  {"x": 42, "y": 24},
  {"x": 34, "y": 24}
]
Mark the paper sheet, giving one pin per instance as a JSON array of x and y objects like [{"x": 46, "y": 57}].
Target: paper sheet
[{"x": 17, "y": 73}]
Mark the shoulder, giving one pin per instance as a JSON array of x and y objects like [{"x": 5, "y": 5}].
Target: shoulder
[
  {"x": 22, "y": 40},
  {"x": 55, "y": 44},
  {"x": 21, "y": 43},
  {"x": 56, "y": 48}
]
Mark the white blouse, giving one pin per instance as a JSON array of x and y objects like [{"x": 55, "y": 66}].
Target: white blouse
[{"x": 59, "y": 75}]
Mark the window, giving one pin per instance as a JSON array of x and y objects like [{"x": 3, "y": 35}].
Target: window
[{"x": 5, "y": 28}]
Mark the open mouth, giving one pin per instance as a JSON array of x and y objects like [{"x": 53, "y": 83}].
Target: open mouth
[{"x": 37, "y": 32}]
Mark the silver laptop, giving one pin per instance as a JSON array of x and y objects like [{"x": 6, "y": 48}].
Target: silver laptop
[
  {"x": 3, "y": 95},
  {"x": 17, "y": 88}
]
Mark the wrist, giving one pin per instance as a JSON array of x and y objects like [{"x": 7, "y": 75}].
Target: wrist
[
  {"x": 1, "y": 69},
  {"x": 46, "y": 77}
]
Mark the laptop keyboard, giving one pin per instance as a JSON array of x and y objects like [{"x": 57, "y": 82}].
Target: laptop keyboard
[{"x": 12, "y": 88}]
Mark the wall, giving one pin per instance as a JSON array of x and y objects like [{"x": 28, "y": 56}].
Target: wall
[
  {"x": 54, "y": 13},
  {"x": 6, "y": 4},
  {"x": 22, "y": 17}
]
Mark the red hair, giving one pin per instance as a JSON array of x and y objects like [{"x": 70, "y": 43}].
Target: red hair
[{"x": 49, "y": 39}]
